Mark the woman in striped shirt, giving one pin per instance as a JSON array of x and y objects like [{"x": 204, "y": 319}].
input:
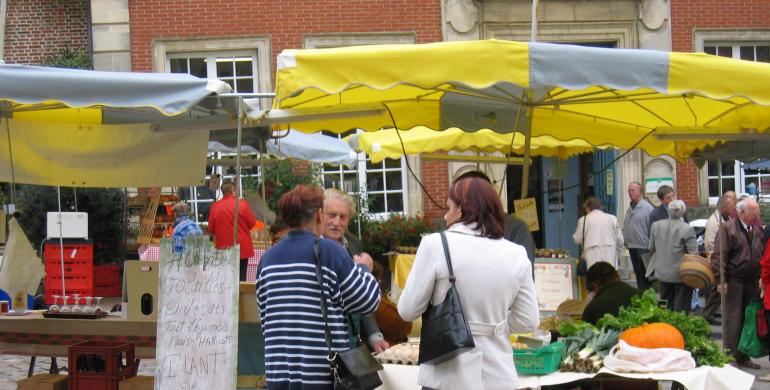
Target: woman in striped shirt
[{"x": 289, "y": 296}]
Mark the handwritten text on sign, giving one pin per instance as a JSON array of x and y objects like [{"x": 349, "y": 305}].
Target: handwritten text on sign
[
  {"x": 553, "y": 284},
  {"x": 197, "y": 343}
]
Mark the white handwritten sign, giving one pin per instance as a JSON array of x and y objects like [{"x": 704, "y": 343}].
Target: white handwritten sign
[
  {"x": 197, "y": 339},
  {"x": 554, "y": 284}
]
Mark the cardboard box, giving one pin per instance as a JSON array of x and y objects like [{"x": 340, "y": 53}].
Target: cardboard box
[
  {"x": 44, "y": 382},
  {"x": 137, "y": 383},
  {"x": 247, "y": 308},
  {"x": 141, "y": 289}
]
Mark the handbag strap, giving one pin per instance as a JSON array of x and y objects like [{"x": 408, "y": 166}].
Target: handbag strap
[
  {"x": 444, "y": 243},
  {"x": 324, "y": 310}
]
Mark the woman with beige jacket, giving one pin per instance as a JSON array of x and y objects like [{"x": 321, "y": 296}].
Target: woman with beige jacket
[
  {"x": 493, "y": 280},
  {"x": 598, "y": 234}
]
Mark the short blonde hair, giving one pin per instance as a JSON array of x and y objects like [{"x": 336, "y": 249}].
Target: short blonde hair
[{"x": 335, "y": 194}]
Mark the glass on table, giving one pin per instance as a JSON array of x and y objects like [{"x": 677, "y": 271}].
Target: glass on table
[
  {"x": 76, "y": 308},
  {"x": 98, "y": 307},
  {"x": 88, "y": 308},
  {"x": 66, "y": 307},
  {"x": 55, "y": 307}
]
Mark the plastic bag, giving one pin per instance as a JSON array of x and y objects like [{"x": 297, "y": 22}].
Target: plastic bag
[
  {"x": 627, "y": 358},
  {"x": 751, "y": 344}
]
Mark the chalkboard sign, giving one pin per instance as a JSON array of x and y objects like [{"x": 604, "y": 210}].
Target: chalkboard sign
[
  {"x": 555, "y": 282},
  {"x": 197, "y": 339}
]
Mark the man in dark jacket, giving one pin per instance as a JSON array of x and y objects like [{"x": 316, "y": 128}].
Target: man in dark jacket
[
  {"x": 739, "y": 245},
  {"x": 611, "y": 292},
  {"x": 665, "y": 196}
]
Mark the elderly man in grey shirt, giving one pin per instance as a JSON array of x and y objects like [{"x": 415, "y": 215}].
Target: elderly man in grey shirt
[{"x": 636, "y": 233}]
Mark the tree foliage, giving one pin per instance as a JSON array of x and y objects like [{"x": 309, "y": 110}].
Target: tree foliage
[{"x": 105, "y": 216}]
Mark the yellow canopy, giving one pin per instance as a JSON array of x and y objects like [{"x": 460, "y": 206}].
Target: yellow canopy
[
  {"x": 100, "y": 129},
  {"x": 620, "y": 97},
  {"x": 384, "y": 144}
]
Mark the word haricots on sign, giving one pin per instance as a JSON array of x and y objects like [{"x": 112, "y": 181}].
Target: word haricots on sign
[{"x": 197, "y": 342}]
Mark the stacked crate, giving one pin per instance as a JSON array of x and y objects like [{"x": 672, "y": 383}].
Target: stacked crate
[{"x": 78, "y": 269}]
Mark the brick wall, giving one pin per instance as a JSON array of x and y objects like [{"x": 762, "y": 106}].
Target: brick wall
[
  {"x": 285, "y": 21},
  {"x": 37, "y": 30},
  {"x": 688, "y": 15},
  {"x": 435, "y": 178}
]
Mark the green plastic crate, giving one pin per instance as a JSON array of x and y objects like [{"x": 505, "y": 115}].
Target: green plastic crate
[{"x": 543, "y": 360}]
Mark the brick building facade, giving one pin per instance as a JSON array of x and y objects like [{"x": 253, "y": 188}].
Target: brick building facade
[
  {"x": 37, "y": 30},
  {"x": 697, "y": 24}
]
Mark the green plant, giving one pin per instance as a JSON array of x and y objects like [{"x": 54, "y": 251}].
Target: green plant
[
  {"x": 105, "y": 216},
  {"x": 380, "y": 236},
  {"x": 70, "y": 58},
  {"x": 287, "y": 174}
]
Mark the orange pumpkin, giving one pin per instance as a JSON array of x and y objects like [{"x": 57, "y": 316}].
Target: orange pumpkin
[{"x": 656, "y": 335}]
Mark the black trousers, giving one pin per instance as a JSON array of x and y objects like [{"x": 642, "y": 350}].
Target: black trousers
[
  {"x": 677, "y": 295},
  {"x": 639, "y": 269},
  {"x": 244, "y": 265}
]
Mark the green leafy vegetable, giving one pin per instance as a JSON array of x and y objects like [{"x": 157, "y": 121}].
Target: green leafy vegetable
[
  {"x": 571, "y": 328},
  {"x": 695, "y": 329}
]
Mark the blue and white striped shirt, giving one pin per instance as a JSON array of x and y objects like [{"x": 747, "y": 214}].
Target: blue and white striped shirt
[{"x": 289, "y": 308}]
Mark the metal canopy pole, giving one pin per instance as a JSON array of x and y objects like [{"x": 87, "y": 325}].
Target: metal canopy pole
[
  {"x": 527, "y": 146},
  {"x": 238, "y": 169}
]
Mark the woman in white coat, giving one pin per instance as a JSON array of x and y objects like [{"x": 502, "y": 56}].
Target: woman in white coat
[
  {"x": 493, "y": 279},
  {"x": 598, "y": 234}
]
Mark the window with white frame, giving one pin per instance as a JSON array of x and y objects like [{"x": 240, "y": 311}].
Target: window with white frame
[
  {"x": 748, "y": 46},
  {"x": 240, "y": 69},
  {"x": 383, "y": 190},
  {"x": 382, "y": 187}
]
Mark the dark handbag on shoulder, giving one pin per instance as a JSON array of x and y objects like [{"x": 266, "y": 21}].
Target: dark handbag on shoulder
[
  {"x": 582, "y": 266},
  {"x": 354, "y": 368},
  {"x": 445, "y": 331}
]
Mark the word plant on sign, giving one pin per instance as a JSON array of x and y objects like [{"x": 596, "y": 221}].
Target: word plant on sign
[{"x": 197, "y": 343}]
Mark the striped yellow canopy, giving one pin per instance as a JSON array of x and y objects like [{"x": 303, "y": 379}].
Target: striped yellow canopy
[
  {"x": 621, "y": 97},
  {"x": 84, "y": 128},
  {"x": 379, "y": 145}
]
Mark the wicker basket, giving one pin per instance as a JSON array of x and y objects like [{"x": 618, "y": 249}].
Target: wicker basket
[{"x": 696, "y": 272}]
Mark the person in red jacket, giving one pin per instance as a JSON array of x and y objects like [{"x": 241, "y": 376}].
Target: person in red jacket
[{"x": 222, "y": 223}]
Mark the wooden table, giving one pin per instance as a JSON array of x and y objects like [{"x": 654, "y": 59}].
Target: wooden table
[{"x": 33, "y": 335}]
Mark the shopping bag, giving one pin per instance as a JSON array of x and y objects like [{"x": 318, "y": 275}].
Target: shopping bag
[
  {"x": 751, "y": 344},
  {"x": 762, "y": 323}
]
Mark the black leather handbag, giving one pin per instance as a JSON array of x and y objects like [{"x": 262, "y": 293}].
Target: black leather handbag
[
  {"x": 352, "y": 369},
  {"x": 445, "y": 331}
]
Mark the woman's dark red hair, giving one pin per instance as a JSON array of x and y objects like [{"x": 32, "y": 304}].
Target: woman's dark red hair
[
  {"x": 298, "y": 206},
  {"x": 479, "y": 204}
]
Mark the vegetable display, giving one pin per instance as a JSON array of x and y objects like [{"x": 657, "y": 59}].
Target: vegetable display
[
  {"x": 656, "y": 335},
  {"x": 695, "y": 330},
  {"x": 585, "y": 350}
]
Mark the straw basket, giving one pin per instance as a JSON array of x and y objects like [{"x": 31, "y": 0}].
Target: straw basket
[{"x": 696, "y": 272}]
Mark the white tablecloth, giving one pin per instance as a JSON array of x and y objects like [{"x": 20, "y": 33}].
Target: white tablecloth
[{"x": 398, "y": 377}]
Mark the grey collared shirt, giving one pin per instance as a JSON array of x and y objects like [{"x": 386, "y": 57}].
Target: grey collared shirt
[{"x": 636, "y": 225}]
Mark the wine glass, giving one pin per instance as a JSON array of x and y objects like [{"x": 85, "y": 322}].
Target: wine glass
[
  {"x": 66, "y": 307},
  {"x": 55, "y": 307},
  {"x": 98, "y": 306},
  {"x": 76, "y": 309},
  {"x": 88, "y": 308}
]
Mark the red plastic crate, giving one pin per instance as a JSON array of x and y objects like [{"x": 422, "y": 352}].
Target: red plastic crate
[
  {"x": 100, "y": 364},
  {"x": 71, "y": 267},
  {"x": 107, "y": 282},
  {"x": 50, "y": 292},
  {"x": 84, "y": 251},
  {"x": 70, "y": 282}
]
